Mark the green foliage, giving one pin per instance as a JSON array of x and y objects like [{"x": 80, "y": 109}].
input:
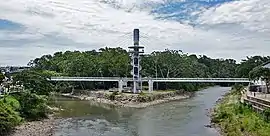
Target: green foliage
[
  {"x": 260, "y": 72},
  {"x": 35, "y": 81},
  {"x": 266, "y": 114},
  {"x": 49, "y": 73},
  {"x": 112, "y": 96},
  {"x": 33, "y": 106},
  {"x": 12, "y": 102},
  {"x": 8, "y": 118},
  {"x": 235, "y": 118},
  {"x": 63, "y": 87},
  {"x": 248, "y": 64},
  {"x": 238, "y": 87},
  {"x": 2, "y": 77}
]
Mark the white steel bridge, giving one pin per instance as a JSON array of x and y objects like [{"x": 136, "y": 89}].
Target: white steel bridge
[
  {"x": 116, "y": 79},
  {"x": 150, "y": 81}
]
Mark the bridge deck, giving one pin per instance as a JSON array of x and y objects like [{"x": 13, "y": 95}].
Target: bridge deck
[{"x": 116, "y": 79}]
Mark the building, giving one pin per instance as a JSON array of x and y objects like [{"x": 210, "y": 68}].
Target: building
[
  {"x": 259, "y": 85},
  {"x": 13, "y": 69}
]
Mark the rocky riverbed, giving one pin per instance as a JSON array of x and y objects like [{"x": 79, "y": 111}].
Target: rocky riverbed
[
  {"x": 141, "y": 100},
  {"x": 36, "y": 128}
]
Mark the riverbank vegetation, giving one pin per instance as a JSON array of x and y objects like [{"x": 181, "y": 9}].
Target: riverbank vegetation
[
  {"x": 234, "y": 118},
  {"x": 28, "y": 103},
  {"x": 17, "y": 108}
]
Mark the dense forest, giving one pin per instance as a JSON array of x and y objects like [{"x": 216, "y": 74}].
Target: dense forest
[{"x": 115, "y": 62}]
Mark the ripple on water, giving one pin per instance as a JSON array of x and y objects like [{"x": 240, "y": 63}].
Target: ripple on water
[{"x": 86, "y": 127}]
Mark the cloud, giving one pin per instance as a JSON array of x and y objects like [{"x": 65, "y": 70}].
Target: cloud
[
  {"x": 252, "y": 14},
  {"x": 217, "y": 29}
]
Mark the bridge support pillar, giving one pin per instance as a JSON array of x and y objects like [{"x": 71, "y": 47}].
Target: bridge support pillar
[
  {"x": 150, "y": 85},
  {"x": 120, "y": 85}
]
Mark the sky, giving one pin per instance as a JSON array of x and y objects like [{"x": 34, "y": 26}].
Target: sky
[{"x": 216, "y": 28}]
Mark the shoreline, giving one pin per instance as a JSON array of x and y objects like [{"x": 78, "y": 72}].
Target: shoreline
[
  {"x": 237, "y": 114},
  {"x": 43, "y": 127},
  {"x": 130, "y": 100},
  {"x": 127, "y": 104},
  {"x": 211, "y": 113}
]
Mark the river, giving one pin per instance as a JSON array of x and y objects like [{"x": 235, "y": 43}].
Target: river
[{"x": 180, "y": 118}]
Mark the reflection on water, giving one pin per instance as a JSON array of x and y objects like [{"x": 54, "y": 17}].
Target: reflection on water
[{"x": 182, "y": 118}]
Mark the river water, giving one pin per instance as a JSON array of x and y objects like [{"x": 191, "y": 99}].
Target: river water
[{"x": 180, "y": 118}]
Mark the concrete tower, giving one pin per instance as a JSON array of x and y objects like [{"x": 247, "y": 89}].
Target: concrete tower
[{"x": 135, "y": 51}]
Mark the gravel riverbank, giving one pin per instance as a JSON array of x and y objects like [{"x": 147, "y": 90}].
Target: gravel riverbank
[
  {"x": 130, "y": 100},
  {"x": 36, "y": 128}
]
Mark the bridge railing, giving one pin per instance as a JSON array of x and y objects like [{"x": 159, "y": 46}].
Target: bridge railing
[
  {"x": 85, "y": 78},
  {"x": 199, "y": 79},
  {"x": 147, "y": 78}
]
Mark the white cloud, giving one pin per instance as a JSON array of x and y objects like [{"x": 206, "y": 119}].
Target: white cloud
[
  {"x": 252, "y": 14},
  {"x": 88, "y": 24}
]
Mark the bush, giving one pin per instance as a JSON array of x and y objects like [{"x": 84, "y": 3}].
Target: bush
[
  {"x": 63, "y": 87},
  {"x": 33, "y": 106},
  {"x": 235, "y": 118},
  {"x": 112, "y": 96},
  {"x": 266, "y": 114},
  {"x": 238, "y": 87},
  {"x": 12, "y": 102},
  {"x": 8, "y": 118}
]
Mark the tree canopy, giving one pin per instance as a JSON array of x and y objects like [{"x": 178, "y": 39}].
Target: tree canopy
[
  {"x": 248, "y": 64},
  {"x": 2, "y": 77}
]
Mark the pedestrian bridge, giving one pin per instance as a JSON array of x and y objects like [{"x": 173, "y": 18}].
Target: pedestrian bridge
[
  {"x": 121, "y": 81},
  {"x": 116, "y": 79}
]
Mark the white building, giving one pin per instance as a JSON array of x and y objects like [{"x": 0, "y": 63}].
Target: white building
[{"x": 260, "y": 84}]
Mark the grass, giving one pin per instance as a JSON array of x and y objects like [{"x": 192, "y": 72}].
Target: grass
[{"x": 237, "y": 119}]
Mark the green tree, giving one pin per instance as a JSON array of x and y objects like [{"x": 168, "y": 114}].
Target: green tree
[
  {"x": 2, "y": 77},
  {"x": 9, "y": 118},
  {"x": 35, "y": 81},
  {"x": 32, "y": 106},
  {"x": 248, "y": 64}
]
